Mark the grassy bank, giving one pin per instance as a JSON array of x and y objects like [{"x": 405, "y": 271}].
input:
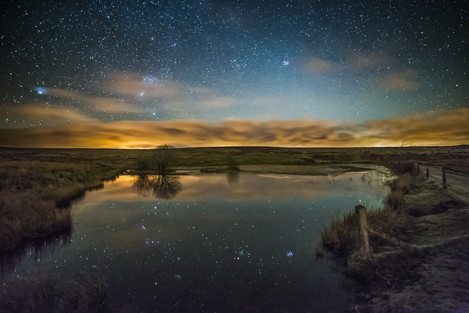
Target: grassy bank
[
  {"x": 35, "y": 195},
  {"x": 416, "y": 238}
]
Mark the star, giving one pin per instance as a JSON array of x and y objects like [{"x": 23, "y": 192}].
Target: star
[{"x": 40, "y": 90}]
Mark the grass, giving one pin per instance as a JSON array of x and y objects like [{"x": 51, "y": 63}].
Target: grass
[
  {"x": 34, "y": 197},
  {"x": 399, "y": 188},
  {"x": 341, "y": 237}
]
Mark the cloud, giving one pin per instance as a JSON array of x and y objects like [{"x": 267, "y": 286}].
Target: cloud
[
  {"x": 34, "y": 114},
  {"x": 358, "y": 61},
  {"x": 317, "y": 66},
  {"x": 367, "y": 60},
  {"x": 134, "y": 85},
  {"x": 104, "y": 104},
  {"x": 405, "y": 79},
  {"x": 130, "y": 93},
  {"x": 435, "y": 128},
  {"x": 179, "y": 96}
]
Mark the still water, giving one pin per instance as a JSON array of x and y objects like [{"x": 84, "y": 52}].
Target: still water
[{"x": 210, "y": 242}]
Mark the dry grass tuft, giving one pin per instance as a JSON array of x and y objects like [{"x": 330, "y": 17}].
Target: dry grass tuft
[
  {"x": 341, "y": 237},
  {"x": 399, "y": 188}
]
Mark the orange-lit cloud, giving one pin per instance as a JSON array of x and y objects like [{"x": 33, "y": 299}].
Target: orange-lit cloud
[{"x": 434, "y": 128}]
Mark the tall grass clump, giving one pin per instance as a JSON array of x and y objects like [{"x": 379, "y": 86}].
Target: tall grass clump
[
  {"x": 405, "y": 168},
  {"x": 341, "y": 236},
  {"x": 233, "y": 165},
  {"x": 399, "y": 188}
]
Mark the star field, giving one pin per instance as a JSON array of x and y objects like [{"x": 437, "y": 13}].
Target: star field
[{"x": 216, "y": 60}]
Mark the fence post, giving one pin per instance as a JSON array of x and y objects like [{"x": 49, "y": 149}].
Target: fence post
[
  {"x": 428, "y": 173},
  {"x": 443, "y": 177},
  {"x": 365, "y": 250},
  {"x": 418, "y": 169}
]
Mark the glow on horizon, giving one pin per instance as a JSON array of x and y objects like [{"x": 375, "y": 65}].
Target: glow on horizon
[{"x": 439, "y": 128}]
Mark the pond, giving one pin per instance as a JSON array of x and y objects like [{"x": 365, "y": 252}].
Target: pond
[{"x": 210, "y": 242}]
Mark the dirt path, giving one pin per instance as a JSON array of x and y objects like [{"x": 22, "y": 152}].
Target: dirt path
[
  {"x": 434, "y": 279},
  {"x": 458, "y": 184}
]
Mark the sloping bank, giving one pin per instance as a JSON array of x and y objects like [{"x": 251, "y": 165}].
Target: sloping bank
[{"x": 418, "y": 258}]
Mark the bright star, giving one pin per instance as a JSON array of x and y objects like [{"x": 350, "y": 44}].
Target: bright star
[{"x": 40, "y": 90}]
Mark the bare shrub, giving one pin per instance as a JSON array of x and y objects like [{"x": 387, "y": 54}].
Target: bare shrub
[{"x": 164, "y": 158}]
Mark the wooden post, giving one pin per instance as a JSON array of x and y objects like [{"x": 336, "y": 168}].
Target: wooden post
[
  {"x": 443, "y": 177},
  {"x": 365, "y": 250},
  {"x": 418, "y": 169},
  {"x": 428, "y": 173}
]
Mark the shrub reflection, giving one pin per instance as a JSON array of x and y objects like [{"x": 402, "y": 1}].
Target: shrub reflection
[{"x": 161, "y": 186}]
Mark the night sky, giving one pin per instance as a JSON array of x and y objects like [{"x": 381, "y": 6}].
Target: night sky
[{"x": 192, "y": 73}]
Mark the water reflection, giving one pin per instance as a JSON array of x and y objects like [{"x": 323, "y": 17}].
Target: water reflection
[
  {"x": 161, "y": 186},
  {"x": 35, "y": 249},
  {"x": 232, "y": 242},
  {"x": 232, "y": 177}
]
